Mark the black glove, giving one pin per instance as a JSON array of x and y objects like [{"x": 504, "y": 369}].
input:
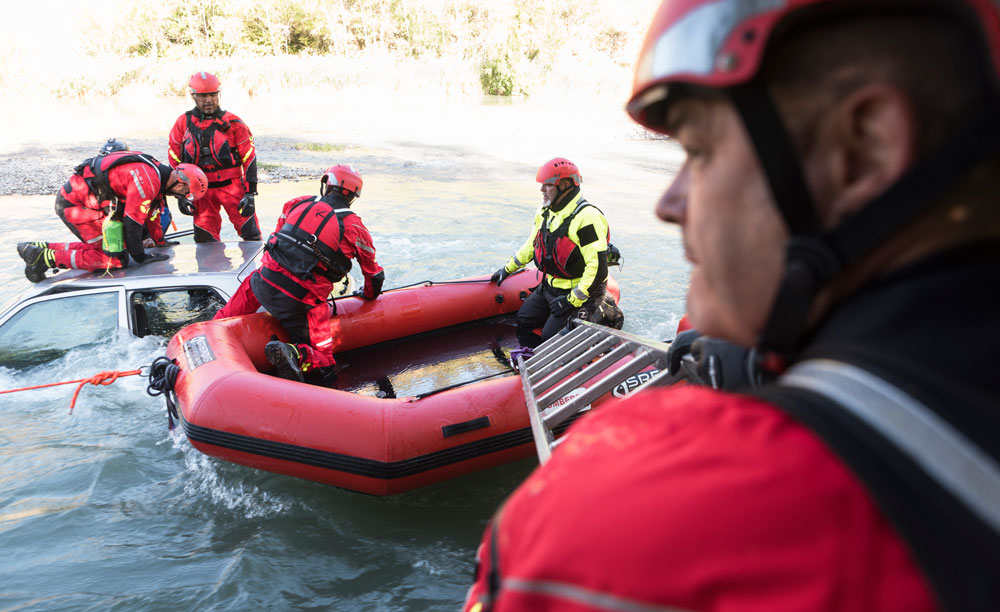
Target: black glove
[
  {"x": 723, "y": 365},
  {"x": 246, "y": 205},
  {"x": 151, "y": 257},
  {"x": 169, "y": 243},
  {"x": 680, "y": 347},
  {"x": 185, "y": 206},
  {"x": 373, "y": 285},
  {"x": 500, "y": 276},
  {"x": 561, "y": 306}
]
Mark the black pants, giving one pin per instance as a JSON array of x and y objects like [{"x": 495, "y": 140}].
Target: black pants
[
  {"x": 291, "y": 313},
  {"x": 537, "y": 312}
]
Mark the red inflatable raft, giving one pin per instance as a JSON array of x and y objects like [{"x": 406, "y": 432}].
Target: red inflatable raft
[{"x": 426, "y": 394}]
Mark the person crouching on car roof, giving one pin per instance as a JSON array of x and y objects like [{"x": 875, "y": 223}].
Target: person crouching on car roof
[
  {"x": 128, "y": 187},
  {"x": 311, "y": 249}
]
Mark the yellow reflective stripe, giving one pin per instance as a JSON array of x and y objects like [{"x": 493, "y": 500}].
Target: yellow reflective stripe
[
  {"x": 560, "y": 283},
  {"x": 249, "y": 153},
  {"x": 172, "y": 154}
]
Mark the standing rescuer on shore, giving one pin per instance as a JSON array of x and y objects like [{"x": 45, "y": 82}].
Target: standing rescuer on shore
[
  {"x": 220, "y": 143},
  {"x": 838, "y": 206}
]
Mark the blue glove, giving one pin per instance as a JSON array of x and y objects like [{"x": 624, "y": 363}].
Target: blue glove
[
  {"x": 246, "y": 205},
  {"x": 500, "y": 275}
]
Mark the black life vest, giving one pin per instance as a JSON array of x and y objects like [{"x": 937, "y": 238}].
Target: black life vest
[
  {"x": 555, "y": 252},
  {"x": 95, "y": 170},
  {"x": 308, "y": 242},
  {"x": 207, "y": 147}
]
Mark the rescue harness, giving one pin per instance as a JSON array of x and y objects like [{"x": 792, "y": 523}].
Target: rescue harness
[{"x": 301, "y": 251}]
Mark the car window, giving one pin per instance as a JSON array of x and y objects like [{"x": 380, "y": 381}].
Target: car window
[
  {"x": 162, "y": 312},
  {"x": 47, "y": 330}
]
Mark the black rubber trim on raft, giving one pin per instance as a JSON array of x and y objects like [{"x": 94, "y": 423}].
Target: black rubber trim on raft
[
  {"x": 458, "y": 428},
  {"x": 358, "y": 465}
]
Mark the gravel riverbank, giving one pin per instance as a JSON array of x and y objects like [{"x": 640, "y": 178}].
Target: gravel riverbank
[{"x": 36, "y": 170}]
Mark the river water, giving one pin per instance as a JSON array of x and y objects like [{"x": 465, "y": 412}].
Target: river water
[{"x": 105, "y": 509}]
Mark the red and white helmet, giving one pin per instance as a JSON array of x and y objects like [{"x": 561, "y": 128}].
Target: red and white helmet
[
  {"x": 343, "y": 176},
  {"x": 556, "y": 169},
  {"x": 203, "y": 82},
  {"x": 192, "y": 176},
  {"x": 719, "y": 44}
]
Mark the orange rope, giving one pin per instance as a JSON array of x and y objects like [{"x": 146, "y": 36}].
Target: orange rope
[{"x": 102, "y": 378}]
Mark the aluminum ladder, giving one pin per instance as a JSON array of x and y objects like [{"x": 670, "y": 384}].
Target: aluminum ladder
[{"x": 565, "y": 363}]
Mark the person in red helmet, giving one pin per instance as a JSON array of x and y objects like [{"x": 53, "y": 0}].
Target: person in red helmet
[
  {"x": 838, "y": 208},
  {"x": 125, "y": 192},
  {"x": 312, "y": 246},
  {"x": 221, "y": 144},
  {"x": 569, "y": 243}
]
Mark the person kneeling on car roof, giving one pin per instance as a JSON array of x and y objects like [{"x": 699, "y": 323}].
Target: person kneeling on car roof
[
  {"x": 311, "y": 249},
  {"x": 128, "y": 188}
]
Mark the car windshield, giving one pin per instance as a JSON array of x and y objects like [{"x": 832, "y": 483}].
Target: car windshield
[
  {"x": 162, "y": 312},
  {"x": 49, "y": 329}
]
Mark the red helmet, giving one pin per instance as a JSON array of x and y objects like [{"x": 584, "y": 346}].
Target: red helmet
[
  {"x": 554, "y": 170},
  {"x": 192, "y": 176},
  {"x": 203, "y": 82},
  {"x": 720, "y": 43},
  {"x": 343, "y": 176}
]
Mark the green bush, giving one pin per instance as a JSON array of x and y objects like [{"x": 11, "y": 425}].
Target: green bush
[{"x": 510, "y": 47}]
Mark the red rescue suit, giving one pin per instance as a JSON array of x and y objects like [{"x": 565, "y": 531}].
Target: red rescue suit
[
  {"x": 82, "y": 212},
  {"x": 134, "y": 182},
  {"x": 694, "y": 499},
  {"x": 223, "y": 147},
  {"x": 296, "y": 278}
]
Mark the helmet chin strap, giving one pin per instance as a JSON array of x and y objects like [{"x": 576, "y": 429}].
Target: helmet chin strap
[{"x": 813, "y": 256}]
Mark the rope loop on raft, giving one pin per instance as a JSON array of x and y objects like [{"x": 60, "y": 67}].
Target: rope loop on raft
[
  {"x": 101, "y": 378},
  {"x": 162, "y": 378}
]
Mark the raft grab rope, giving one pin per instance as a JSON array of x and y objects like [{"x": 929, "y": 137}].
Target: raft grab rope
[{"x": 162, "y": 378}]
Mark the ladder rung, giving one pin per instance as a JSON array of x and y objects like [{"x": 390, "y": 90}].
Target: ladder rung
[
  {"x": 550, "y": 353},
  {"x": 581, "y": 360},
  {"x": 553, "y": 365},
  {"x": 557, "y": 415},
  {"x": 577, "y": 379}
]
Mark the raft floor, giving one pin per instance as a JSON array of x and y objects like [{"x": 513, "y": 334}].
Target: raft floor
[{"x": 432, "y": 362}]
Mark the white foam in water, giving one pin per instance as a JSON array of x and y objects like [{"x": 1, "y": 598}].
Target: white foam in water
[{"x": 208, "y": 484}]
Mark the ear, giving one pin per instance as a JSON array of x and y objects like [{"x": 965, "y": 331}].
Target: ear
[{"x": 874, "y": 135}]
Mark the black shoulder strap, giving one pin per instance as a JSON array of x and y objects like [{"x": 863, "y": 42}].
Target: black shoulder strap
[{"x": 940, "y": 490}]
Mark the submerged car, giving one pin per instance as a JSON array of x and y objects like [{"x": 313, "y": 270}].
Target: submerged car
[{"x": 76, "y": 308}]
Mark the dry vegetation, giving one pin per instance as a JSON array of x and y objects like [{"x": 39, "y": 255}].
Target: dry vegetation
[{"x": 451, "y": 48}]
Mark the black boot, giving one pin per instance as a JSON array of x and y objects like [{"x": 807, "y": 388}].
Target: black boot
[
  {"x": 201, "y": 235},
  {"x": 250, "y": 231},
  {"x": 285, "y": 359},
  {"x": 37, "y": 260}
]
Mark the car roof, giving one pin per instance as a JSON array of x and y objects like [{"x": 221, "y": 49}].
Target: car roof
[{"x": 209, "y": 263}]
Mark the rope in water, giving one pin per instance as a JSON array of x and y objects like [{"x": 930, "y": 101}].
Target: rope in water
[{"x": 101, "y": 378}]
